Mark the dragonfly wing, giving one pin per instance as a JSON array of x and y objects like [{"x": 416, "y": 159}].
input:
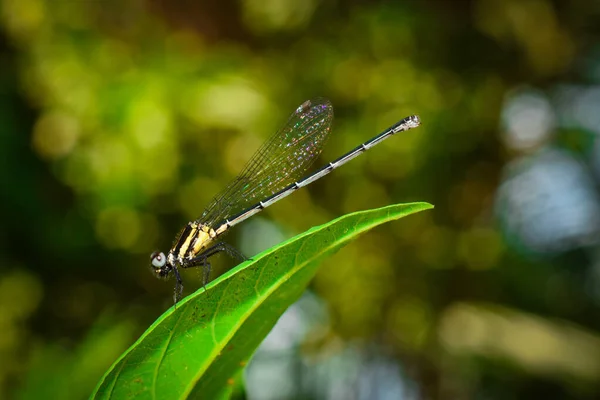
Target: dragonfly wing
[{"x": 280, "y": 161}]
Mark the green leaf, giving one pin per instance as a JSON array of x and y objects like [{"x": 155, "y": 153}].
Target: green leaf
[{"x": 197, "y": 349}]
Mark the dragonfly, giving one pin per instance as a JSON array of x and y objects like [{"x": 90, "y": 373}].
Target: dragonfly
[{"x": 274, "y": 172}]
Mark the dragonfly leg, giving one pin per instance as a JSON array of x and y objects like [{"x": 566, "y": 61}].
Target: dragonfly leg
[
  {"x": 233, "y": 252},
  {"x": 205, "y": 273},
  {"x": 202, "y": 259},
  {"x": 178, "y": 286}
]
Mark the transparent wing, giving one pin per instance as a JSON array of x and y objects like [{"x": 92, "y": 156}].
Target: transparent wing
[{"x": 280, "y": 161}]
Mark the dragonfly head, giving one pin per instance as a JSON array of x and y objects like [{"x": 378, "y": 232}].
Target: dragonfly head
[{"x": 159, "y": 265}]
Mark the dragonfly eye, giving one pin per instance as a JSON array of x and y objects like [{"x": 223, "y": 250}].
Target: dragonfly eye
[
  {"x": 158, "y": 259},
  {"x": 159, "y": 266}
]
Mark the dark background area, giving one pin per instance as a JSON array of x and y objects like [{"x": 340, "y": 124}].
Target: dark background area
[{"x": 120, "y": 120}]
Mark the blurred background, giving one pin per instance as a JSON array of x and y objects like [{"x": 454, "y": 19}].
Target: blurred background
[{"x": 119, "y": 121}]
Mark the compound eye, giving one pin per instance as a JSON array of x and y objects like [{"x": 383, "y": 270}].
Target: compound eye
[{"x": 158, "y": 259}]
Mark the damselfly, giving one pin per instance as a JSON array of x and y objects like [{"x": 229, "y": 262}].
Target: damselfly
[{"x": 270, "y": 175}]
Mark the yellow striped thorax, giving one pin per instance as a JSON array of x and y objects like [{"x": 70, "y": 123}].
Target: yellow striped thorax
[{"x": 193, "y": 239}]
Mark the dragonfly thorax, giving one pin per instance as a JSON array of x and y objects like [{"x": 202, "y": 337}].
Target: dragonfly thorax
[{"x": 193, "y": 239}]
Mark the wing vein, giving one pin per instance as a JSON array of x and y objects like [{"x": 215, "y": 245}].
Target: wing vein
[{"x": 280, "y": 161}]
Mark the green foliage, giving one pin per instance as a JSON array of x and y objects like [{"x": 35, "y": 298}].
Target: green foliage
[
  {"x": 56, "y": 372},
  {"x": 199, "y": 347}
]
